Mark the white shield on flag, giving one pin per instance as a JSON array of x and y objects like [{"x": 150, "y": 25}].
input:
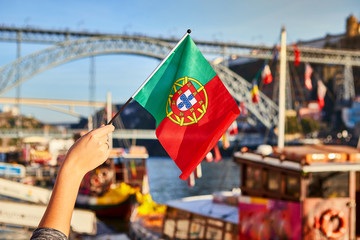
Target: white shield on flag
[{"x": 186, "y": 101}]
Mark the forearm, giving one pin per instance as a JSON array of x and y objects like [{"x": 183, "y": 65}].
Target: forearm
[
  {"x": 59, "y": 211},
  {"x": 86, "y": 153}
]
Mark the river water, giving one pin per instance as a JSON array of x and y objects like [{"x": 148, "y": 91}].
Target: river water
[{"x": 166, "y": 185}]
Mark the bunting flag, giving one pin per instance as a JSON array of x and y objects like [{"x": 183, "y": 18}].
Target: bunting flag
[
  {"x": 321, "y": 92},
  {"x": 266, "y": 74},
  {"x": 255, "y": 92},
  {"x": 133, "y": 169},
  {"x": 233, "y": 129},
  {"x": 190, "y": 104},
  {"x": 191, "y": 180},
  {"x": 198, "y": 171},
  {"x": 243, "y": 109},
  {"x": 209, "y": 157},
  {"x": 225, "y": 141},
  {"x": 275, "y": 54},
  {"x": 308, "y": 72},
  {"x": 26, "y": 152},
  {"x": 217, "y": 153},
  {"x": 296, "y": 55}
]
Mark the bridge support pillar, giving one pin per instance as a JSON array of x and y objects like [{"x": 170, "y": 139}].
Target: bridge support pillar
[{"x": 349, "y": 87}]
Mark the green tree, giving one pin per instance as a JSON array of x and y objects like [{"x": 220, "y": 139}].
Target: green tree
[
  {"x": 309, "y": 125},
  {"x": 292, "y": 125}
]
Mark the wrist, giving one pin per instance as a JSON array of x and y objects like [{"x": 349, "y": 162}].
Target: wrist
[{"x": 72, "y": 171}]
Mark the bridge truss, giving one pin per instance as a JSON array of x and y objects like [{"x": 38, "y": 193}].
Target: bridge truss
[
  {"x": 73, "y": 45},
  {"x": 311, "y": 55}
]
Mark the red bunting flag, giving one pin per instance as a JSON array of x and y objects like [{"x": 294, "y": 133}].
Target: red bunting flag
[
  {"x": 190, "y": 104},
  {"x": 308, "y": 72},
  {"x": 255, "y": 92},
  {"x": 266, "y": 74},
  {"x": 296, "y": 55},
  {"x": 321, "y": 92},
  {"x": 243, "y": 109},
  {"x": 233, "y": 129},
  {"x": 217, "y": 153}
]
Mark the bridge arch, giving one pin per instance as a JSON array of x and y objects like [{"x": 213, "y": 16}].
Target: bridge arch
[{"x": 24, "y": 68}]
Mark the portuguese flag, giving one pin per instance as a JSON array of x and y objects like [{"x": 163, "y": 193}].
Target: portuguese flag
[{"x": 190, "y": 104}]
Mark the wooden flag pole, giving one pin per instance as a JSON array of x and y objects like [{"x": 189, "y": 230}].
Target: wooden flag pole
[{"x": 151, "y": 75}]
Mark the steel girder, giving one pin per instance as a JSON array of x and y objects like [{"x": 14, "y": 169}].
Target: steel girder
[
  {"x": 14, "y": 34},
  {"x": 310, "y": 55}
]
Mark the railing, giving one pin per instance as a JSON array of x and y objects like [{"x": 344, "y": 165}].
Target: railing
[{"x": 63, "y": 134}]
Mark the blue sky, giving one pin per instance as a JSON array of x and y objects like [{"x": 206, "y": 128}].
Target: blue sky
[{"x": 252, "y": 22}]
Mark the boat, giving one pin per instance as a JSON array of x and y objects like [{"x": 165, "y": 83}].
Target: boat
[
  {"x": 299, "y": 192},
  {"x": 36, "y": 151},
  {"x": 29, "y": 165},
  {"x": 199, "y": 217},
  {"x": 146, "y": 220},
  {"x": 202, "y": 217}
]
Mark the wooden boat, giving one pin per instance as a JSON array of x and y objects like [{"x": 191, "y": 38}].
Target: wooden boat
[
  {"x": 300, "y": 192},
  {"x": 199, "y": 217},
  {"x": 36, "y": 150}
]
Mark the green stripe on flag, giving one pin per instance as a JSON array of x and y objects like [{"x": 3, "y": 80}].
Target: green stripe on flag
[{"x": 185, "y": 61}]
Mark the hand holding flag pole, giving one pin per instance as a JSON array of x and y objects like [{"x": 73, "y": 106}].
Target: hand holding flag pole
[{"x": 152, "y": 74}]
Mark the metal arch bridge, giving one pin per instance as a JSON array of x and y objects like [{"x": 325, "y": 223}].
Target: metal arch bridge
[
  {"x": 266, "y": 111},
  {"x": 24, "y": 68}
]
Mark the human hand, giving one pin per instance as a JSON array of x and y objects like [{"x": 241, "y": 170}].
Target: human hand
[{"x": 89, "y": 151}]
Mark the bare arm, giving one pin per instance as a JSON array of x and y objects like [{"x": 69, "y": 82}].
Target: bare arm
[{"x": 86, "y": 154}]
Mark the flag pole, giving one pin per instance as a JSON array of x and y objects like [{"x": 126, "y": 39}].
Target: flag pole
[
  {"x": 282, "y": 82},
  {"x": 151, "y": 75}
]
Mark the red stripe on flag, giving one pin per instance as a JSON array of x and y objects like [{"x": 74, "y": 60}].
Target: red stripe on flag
[{"x": 189, "y": 146}]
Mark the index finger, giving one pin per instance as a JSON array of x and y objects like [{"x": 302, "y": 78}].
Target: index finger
[{"x": 104, "y": 130}]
